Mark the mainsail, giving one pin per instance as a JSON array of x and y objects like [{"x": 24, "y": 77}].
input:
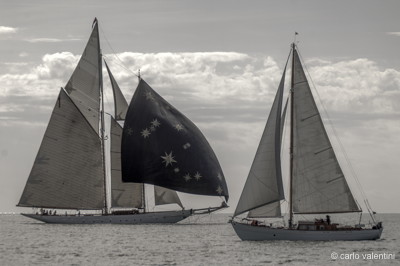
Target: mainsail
[
  {"x": 264, "y": 182},
  {"x": 319, "y": 185},
  {"x": 161, "y": 146},
  {"x": 67, "y": 172}
]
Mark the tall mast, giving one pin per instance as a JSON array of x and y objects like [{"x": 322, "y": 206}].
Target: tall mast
[
  {"x": 102, "y": 127},
  {"x": 143, "y": 185},
  {"x": 291, "y": 140}
]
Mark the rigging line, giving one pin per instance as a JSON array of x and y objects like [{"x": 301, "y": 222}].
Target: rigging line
[
  {"x": 115, "y": 54},
  {"x": 353, "y": 172}
]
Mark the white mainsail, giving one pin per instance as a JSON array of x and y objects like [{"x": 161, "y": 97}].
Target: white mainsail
[
  {"x": 123, "y": 195},
  {"x": 84, "y": 84},
  {"x": 67, "y": 172},
  {"x": 264, "y": 182},
  {"x": 319, "y": 185}
]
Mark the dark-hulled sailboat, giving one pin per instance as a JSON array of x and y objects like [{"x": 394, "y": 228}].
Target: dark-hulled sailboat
[
  {"x": 69, "y": 172},
  {"x": 317, "y": 183}
]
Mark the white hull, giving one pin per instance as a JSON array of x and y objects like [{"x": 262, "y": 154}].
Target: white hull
[
  {"x": 260, "y": 233},
  {"x": 141, "y": 218}
]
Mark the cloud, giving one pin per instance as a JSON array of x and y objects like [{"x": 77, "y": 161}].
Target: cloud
[
  {"x": 228, "y": 96},
  {"x": 7, "y": 30},
  {"x": 50, "y": 40},
  {"x": 394, "y": 33}
]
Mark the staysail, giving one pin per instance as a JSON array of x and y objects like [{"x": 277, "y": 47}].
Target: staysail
[
  {"x": 120, "y": 103},
  {"x": 84, "y": 85},
  {"x": 319, "y": 185},
  {"x": 164, "y": 195},
  {"x": 123, "y": 195},
  {"x": 161, "y": 146},
  {"x": 67, "y": 172},
  {"x": 264, "y": 182}
]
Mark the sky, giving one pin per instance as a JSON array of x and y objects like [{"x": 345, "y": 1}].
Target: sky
[{"x": 219, "y": 63}]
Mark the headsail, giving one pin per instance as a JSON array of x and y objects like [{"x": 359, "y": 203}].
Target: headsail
[
  {"x": 269, "y": 210},
  {"x": 164, "y": 195},
  {"x": 161, "y": 146},
  {"x": 120, "y": 103},
  {"x": 319, "y": 185},
  {"x": 123, "y": 195},
  {"x": 67, "y": 172},
  {"x": 264, "y": 182}
]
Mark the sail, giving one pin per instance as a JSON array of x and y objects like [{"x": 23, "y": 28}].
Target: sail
[
  {"x": 166, "y": 196},
  {"x": 264, "y": 182},
  {"x": 120, "y": 104},
  {"x": 160, "y": 146},
  {"x": 123, "y": 195},
  {"x": 318, "y": 184},
  {"x": 84, "y": 85},
  {"x": 269, "y": 210},
  {"x": 67, "y": 172}
]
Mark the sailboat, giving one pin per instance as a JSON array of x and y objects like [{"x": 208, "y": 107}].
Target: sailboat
[
  {"x": 68, "y": 181},
  {"x": 317, "y": 183}
]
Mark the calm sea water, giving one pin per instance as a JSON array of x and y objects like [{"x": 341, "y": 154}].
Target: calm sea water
[{"x": 201, "y": 240}]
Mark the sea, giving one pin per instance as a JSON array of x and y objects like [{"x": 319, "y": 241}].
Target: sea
[{"x": 198, "y": 240}]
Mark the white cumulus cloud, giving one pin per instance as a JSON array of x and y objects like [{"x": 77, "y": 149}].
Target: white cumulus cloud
[{"x": 6, "y": 30}]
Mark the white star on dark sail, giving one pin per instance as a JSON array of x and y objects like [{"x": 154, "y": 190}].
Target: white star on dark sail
[
  {"x": 155, "y": 123},
  {"x": 219, "y": 177},
  {"x": 197, "y": 176},
  {"x": 178, "y": 127},
  {"x": 219, "y": 190},
  {"x": 153, "y": 128},
  {"x": 187, "y": 177},
  {"x": 186, "y": 146},
  {"x": 129, "y": 131},
  {"x": 176, "y": 170},
  {"x": 168, "y": 159},
  {"x": 145, "y": 133}
]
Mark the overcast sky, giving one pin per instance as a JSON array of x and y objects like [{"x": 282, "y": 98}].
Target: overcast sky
[{"x": 219, "y": 63}]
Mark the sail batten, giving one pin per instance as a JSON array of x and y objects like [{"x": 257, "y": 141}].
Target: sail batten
[{"x": 318, "y": 184}]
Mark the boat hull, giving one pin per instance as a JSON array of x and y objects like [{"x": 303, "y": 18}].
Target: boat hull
[
  {"x": 141, "y": 218},
  {"x": 248, "y": 232}
]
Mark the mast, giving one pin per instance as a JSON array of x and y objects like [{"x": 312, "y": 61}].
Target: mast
[
  {"x": 291, "y": 141},
  {"x": 102, "y": 127},
  {"x": 143, "y": 185}
]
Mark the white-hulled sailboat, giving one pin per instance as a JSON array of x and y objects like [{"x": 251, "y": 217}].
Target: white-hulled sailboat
[
  {"x": 68, "y": 181},
  {"x": 317, "y": 183}
]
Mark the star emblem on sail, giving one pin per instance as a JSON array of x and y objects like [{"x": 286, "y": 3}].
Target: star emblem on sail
[
  {"x": 178, "y": 127},
  {"x": 145, "y": 133},
  {"x": 168, "y": 159},
  {"x": 178, "y": 139},
  {"x": 155, "y": 123},
  {"x": 197, "y": 176}
]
